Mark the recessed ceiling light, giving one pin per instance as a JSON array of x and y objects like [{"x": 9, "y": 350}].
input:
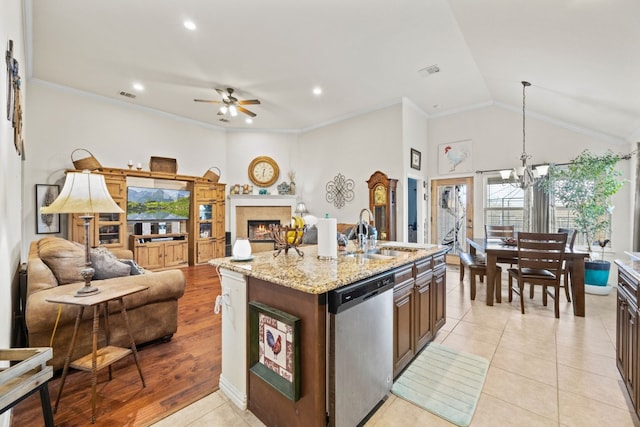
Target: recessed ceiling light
[
  {"x": 138, "y": 86},
  {"x": 317, "y": 91},
  {"x": 248, "y": 120},
  {"x": 190, "y": 25}
]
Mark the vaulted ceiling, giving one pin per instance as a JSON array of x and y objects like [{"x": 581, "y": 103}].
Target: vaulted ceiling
[{"x": 581, "y": 56}]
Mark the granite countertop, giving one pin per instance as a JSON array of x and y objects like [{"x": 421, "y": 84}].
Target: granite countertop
[
  {"x": 631, "y": 265},
  {"x": 315, "y": 276}
]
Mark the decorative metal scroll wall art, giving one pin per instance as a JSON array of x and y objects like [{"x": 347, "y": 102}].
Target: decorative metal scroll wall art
[{"x": 340, "y": 191}]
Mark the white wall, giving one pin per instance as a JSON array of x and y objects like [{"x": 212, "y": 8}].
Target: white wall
[
  {"x": 497, "y": 144},
  {"x": 11, "y": 28},
  {"x": 115, "y": 132},
  {"x": 355, "y": 148},
  {"x": 414, "y": 135}
]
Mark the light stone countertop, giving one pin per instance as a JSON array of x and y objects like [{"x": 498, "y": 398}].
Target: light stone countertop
[{"x": 315, "y": 276}]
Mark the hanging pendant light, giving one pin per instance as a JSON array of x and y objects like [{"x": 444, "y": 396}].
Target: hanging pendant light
[{"x": 524, "y": 175}]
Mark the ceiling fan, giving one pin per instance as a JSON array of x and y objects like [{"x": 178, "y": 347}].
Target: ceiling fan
[{"x": 230, "y": 104}]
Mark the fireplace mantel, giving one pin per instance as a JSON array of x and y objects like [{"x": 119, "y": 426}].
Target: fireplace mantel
[{"x": 259, "y": 201}]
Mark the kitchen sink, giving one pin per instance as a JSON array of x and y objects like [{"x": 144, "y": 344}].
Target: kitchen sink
[{"x": 382, "y": 254}]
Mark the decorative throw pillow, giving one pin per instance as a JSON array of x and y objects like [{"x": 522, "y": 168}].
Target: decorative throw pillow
[
  {"x": 64, "y": 257},
  {"x": 135, "y": 268},
  {"x": 310, "y": 235},
  {"x": 106, "y": 265}
]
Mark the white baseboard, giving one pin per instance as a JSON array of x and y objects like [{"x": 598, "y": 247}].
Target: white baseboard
[{"x": 236, "y": 396}]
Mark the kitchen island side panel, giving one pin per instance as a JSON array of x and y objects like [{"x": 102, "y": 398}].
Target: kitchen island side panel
[{"x": 267, "y": 403}]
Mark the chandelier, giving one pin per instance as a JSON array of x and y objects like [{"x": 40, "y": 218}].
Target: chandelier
[{"x": 525, "y": 175}]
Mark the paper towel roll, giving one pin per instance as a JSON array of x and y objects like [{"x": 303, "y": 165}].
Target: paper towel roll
[{"x": 327, "y": 238}]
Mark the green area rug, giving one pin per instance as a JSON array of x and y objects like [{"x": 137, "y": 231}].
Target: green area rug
[{"x": 445, "y": 382}]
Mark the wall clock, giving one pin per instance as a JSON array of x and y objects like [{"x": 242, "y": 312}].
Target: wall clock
[{"x": 263, "y": 171}]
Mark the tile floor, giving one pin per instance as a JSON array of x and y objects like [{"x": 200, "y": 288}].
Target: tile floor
[{"x": 543, "y": 372}]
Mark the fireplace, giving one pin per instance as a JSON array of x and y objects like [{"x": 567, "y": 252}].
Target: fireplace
[{"x": 258, "y": 229}]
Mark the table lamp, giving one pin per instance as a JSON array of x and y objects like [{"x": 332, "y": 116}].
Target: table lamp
[{"x": 85, "y": 193}]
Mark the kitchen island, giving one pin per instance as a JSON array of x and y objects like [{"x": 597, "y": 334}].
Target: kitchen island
[{"x": 301, "y": 287}]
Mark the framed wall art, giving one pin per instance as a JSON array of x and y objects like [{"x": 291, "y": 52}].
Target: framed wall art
[
  {"x": 416, "y": 159},
  {"x": 274, "y": 348},
  {"x": 45, "y": 195},
  {"x": 454, "y": 157}
]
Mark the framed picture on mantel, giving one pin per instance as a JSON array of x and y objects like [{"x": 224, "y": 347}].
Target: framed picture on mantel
[{"x": 274, "y": 348}]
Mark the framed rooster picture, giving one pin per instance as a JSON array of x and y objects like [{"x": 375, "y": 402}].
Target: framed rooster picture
[
  {"x": 274, "y": 348},
  {"x": 454, "y": 157}
]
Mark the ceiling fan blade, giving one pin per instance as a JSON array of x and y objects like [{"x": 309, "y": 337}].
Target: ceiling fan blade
[
  {"x": 247, "y": 112},
  {"x": 210, "y": 101},
  {"x": 249, "y": 102}
]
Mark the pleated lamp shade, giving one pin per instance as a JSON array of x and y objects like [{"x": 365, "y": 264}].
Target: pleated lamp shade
[{"x": 83, "y": 192}]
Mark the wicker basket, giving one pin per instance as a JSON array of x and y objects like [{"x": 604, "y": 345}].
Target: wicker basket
[
  {"x": 89, "y": 162},
  {"x": 211, "y": 175},
  {"x": 163, "y": 164}
]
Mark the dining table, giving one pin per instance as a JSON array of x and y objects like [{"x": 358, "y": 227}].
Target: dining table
[{"x": 497, "y": 249}]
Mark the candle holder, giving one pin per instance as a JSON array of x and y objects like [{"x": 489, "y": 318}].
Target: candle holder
[{"x": 286, "y": 237}]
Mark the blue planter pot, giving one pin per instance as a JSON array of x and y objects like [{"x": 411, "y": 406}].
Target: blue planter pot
[{"x": 596, "y": 272}]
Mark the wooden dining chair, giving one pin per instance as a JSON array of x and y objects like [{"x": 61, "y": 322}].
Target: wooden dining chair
[
  {"x": 540, "y": 257},
  {"x": 566, "y": 264},
  {"x": 499, "y": 232}
]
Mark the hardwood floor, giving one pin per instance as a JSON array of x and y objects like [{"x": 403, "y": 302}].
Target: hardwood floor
[{"x": 177, "y": 373}]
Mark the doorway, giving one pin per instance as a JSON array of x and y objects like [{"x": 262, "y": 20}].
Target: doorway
[
  {"x": 452, "y": 214},
  {"x": 412, "y": 210}
]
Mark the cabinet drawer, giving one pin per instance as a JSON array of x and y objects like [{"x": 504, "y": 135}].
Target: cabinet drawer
[
  {"x": 403, "y": 274},
  {"x": 438, "y": 261},
  {"x": 423, "y": 266},
  {"x": 629, "y": 284},
  {"x": 403, "y": 289}
]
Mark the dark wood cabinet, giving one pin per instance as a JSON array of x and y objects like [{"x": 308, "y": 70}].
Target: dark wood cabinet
[
  {"x": 403, "y": 314},
  {"x": 627, "y": 342},
  {"x": 382, "y": 203},
  {"x": 419, "y": 298}
]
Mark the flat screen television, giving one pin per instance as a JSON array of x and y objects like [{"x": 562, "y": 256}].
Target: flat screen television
[{"x": 157, "y": 204}]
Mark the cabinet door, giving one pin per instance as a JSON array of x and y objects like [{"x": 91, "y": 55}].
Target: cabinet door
[
  {"x": 175, "y": 253},
  {"x": 423, "y": 320},
  {"x": 205, "y": 250},
  {"x": 621, "y": 332},
  {"x": 631, "y": 357},
  {"x": 403, "y": 314},
  {"x": 150, "y": 256},
  {"x": 439, "y": 295}
]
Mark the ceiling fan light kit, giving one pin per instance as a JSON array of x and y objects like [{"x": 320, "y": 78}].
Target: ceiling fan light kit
[{"x": 230, "y": 104}]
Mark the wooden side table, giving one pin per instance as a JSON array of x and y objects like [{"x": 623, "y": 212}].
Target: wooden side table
[
  {"x": 31, "y": 374},
  {"x": 100, "y": 357}
]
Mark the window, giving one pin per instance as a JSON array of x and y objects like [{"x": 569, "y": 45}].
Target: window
[
  {"x": 504, "y": 204},
  {"x": 564, "y": 218}
]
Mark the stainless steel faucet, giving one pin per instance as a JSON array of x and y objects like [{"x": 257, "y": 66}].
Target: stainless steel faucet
[{"x": 363, "y": 237}]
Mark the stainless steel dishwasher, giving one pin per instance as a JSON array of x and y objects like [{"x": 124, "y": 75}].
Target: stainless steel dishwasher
[{"x": 360, "y": 349}]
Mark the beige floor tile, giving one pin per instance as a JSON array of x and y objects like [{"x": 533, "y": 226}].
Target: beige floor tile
[
  {"x": 597, "y": 387},
  {"x": 492, "y": 412},
  {"x": 542, "y": 347},
  {"x": 470, "y": 345},
  {"x": 478, "y": 332},
  {"x": 590, "y": 362},
  {"x": 194, "y": 411},
  {"x": 401, "y": 413},
  {"x": 528, "y": 394},
  {"x": 576, "y": 410},
  {"x": 221, "y": 416},
  {"x": 522, "y": 363}
]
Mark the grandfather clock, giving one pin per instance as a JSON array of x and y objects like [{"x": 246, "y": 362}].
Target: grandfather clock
[{"x": 382, "y": 203}]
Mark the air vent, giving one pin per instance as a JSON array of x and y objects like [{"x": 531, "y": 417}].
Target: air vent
[
  {"x": 427, "y": 71},
  {"x": 127, "y": 94}
]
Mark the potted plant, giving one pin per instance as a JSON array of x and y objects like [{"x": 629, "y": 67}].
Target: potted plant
[{"x": 585, "y": 187}]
